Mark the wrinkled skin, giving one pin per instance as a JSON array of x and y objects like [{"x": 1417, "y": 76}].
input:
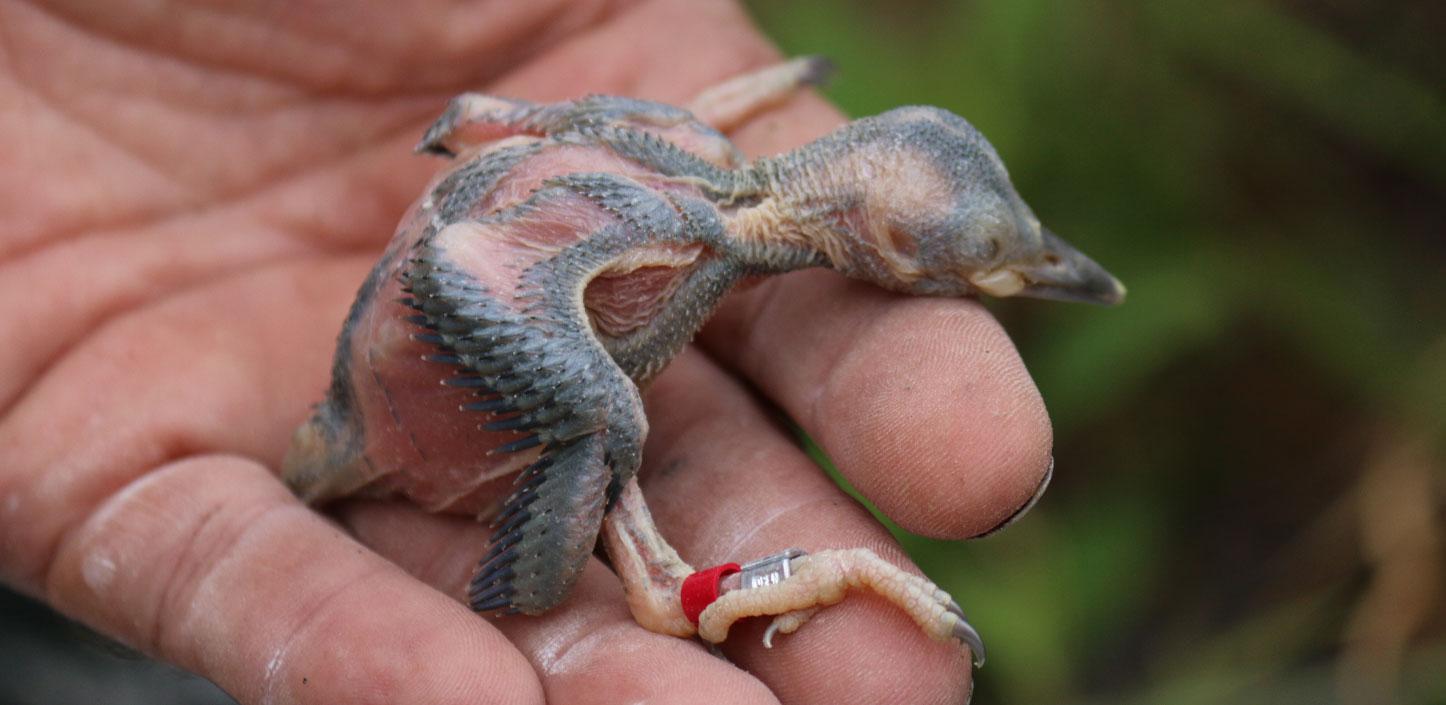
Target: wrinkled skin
[{"x": 186, "y": 221}]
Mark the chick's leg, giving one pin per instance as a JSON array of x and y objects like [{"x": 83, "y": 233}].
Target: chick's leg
[
  {"x": 726, "y": 105},
  {"x": 651, "y": 571},
  {"x": 653, "y": 575},
  {"x": 790, "y": 586},
  {"x": 821, "y": 579}
]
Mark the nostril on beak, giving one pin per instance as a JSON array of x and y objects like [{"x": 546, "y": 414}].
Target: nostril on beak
[{"x": 1064, "y": 273}]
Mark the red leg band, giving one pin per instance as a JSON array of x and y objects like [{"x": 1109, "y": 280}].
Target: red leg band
[{"x": 701, "y": 589}]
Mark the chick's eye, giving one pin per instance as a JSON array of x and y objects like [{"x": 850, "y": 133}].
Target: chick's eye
[{"x": 992, "y": 245}]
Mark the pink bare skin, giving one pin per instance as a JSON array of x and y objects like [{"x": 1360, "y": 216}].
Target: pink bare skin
[{"x": 192, "y": 194}]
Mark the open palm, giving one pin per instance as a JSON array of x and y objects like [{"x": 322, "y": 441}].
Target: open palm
[{"x": 189, "y": 197}]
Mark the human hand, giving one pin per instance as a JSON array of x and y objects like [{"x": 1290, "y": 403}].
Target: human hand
[{"x": 192, "y": 195}]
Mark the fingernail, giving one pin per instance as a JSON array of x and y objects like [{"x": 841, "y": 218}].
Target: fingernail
[{"x": 1028, "y": 504}]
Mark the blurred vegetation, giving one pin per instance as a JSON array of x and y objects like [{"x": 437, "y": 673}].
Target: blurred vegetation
[{"x": 1248, "y": 503}]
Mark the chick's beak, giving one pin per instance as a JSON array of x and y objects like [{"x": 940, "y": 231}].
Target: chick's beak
[{"x": 1064, "y": 273}]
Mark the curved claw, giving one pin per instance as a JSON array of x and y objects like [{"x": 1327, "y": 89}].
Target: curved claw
[
  {"x": 788, "y": 622},
  {"x": 768, "y": 634},
  {"x": 965, "y": 632}
]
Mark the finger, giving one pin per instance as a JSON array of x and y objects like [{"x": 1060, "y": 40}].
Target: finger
[
  {"x": 725, "y": 484},
  {"x": 932, "y": 385},
  {"x": 226, "y": 368},
  {"x": 588, "y": 649},
  {"x": 211, "y": 564},
  {"x": 923, "y": 404},
  {"x": 881, "y": 381}
]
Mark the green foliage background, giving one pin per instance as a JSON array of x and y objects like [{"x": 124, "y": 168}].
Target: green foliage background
[{"x": 1248, "y": 504}]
